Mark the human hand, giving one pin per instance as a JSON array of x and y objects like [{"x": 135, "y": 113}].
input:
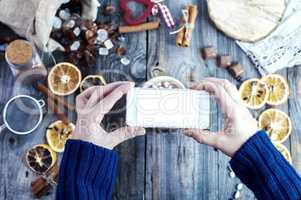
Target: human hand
[
  {"x": 239, "y": 123},
  {"x": 91, "y": 107}
]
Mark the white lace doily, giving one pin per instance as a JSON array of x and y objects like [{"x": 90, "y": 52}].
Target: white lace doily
[{"x": 282, "y": 48}]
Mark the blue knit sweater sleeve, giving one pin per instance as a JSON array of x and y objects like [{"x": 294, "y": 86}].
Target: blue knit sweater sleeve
[
  {"x": 86, "y": 172},
  {"x": 265, "y": 171}
]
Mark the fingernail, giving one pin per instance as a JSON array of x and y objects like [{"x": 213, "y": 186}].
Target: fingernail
[
  {"x": 132, "y": 84},
  {"x": 140, "y": 131},
  {"x": 191, "y": 84},
  {"x": 187, "y": 132}
]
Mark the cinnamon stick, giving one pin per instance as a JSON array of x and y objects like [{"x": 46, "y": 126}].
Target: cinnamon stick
[
  {"x": 60, "y": 115},
  {"x": 139, "y": 28},
  {"x": 180, "y": 35},
  {"x": 193, "y": 13},
  {"x": 40, "y": 187},
  {"x": 42, "y": 184},
  {"x": 42, "y": 88},
  {"x": 53, "y": 173}
]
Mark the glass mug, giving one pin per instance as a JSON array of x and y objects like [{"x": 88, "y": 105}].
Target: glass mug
[{"x": 19, "y": 109}]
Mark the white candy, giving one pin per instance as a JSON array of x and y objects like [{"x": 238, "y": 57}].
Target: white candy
[
  {"x": 166, "y": 84},
  {"x": 237, "y": 195},
  {"x": 65, "y": 14},
  {"x": 69, "y": 24},
  {"x": 103, "y": 51},
  {"x": 108, "y": 44},
  {"x": 56, "y": 23},
  {"x": 3, "y": 47},
  {"x": 232, "y": 174},
  {"x": 77, "y": 31},
  {"x": 229, "y": 168},
  {"x": 102, "y": 35},
  {"x": 125, "y": 61},
  {"x": 239, "y": 186},
  {"x": 65, "y": 1},
  {"x": 121, "y": 39},
  {"x": 154, "y": 86},
  {"x": 75, "y": 46}
]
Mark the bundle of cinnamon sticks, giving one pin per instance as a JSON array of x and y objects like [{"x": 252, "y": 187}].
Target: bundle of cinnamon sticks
[
  {"x": 43, "y": 184},
  {"x": 183, "y": 38}
]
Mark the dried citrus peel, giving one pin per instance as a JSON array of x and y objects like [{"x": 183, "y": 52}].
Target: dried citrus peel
[
  {"x": 276, "y": 123},
  {"x": 40, "y": 158}
]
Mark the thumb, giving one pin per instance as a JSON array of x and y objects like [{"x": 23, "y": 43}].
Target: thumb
[
  {"x": 125, "y": 133},
  {"x": 204, "y": 137}
]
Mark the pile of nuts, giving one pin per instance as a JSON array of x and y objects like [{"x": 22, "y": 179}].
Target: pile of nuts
[
  {"x": 223, "y": 61},
  {"x": 84, "y": 39}
]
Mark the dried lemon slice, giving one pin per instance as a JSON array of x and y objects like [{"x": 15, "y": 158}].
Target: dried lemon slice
[
  {"x": 284, "y": 151},
  {"x": 40, "y": 158},
  {"x": 57, "y": 135},
  {"x": 64, "y": 79},
  {"x": 92, "y": 80},
  {"x": 253, "y": 93},
  {"x": 276, "y": 123},
  {"x": 278, "y": 89}
]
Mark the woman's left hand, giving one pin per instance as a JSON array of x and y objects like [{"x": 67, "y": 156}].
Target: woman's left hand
[{"x": 91, "y": 107}]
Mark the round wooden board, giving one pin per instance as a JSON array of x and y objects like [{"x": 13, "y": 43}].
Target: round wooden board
[{"x": 246, "y": 20}]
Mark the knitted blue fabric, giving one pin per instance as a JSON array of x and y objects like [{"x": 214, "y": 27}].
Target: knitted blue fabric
[
  {"x": 89, "y": 172},
  {"x": 265, "y": 171}
]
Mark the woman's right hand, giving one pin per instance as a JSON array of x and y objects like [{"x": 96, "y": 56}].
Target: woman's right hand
[{"x": 239, "y": 123}]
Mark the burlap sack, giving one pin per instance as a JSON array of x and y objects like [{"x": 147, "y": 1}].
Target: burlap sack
[{"x": 33, "y": 18}]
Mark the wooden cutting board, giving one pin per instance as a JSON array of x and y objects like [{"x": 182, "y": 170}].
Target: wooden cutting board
[{"x": 246, "y": 20}]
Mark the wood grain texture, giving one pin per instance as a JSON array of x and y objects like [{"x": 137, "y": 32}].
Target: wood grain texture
[
  {"x": 177, "y": 167},
  {"x": 164, "y": 164}
]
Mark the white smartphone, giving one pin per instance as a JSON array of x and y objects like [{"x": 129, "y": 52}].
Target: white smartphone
[{"x": 168, "y": 108}]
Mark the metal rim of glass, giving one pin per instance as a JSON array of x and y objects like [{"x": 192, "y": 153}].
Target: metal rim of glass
[{"x": 40, "y": 112}]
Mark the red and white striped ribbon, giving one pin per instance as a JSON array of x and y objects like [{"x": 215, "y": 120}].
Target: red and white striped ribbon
[{"x": 165, "y": 12}]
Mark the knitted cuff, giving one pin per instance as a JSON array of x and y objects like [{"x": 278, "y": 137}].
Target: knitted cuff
[{"x": 86, "y": 171}]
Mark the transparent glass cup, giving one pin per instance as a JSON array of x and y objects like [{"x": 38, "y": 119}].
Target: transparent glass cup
[
  {"x": 22, "y": 56},
  {"x": 22, "y": 114}
]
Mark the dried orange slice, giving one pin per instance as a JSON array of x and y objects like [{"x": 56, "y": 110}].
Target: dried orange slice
[
  {"x": 284, "y": 151},
  {"x": 276, "y": 123},
  {"x": 253, "y": 93},
  {"x": 278, "y": 89},
  {"x": 90, "y": 81},
  {"x": 57, "y": 135},
  {"x": 64, "y": 79},
  {"x": 40, "y": 158}
]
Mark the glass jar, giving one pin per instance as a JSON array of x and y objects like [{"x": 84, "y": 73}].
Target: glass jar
[{"x": 22, "y": 56}]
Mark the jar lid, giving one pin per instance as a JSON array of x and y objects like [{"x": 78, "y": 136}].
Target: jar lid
[{"x": 19, "y": 52}]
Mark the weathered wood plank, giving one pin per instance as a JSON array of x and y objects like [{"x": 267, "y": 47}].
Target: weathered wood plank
[
  {"x": 294, "y": 112},
  {"x": 15, "y": 177},
  {"x": 178, "y": 167},
  {"x": 131, "y": 167},
  {"x": 228, "y": 46}
]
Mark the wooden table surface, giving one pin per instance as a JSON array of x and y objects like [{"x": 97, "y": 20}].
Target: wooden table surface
[{"x": 161, "y": 165}]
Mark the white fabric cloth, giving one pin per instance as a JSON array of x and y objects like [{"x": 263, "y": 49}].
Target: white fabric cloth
[
  {"x": 282, "y": 48},
  {"x": 33, "y": 19}
]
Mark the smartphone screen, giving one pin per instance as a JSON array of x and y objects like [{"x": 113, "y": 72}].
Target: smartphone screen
[{"x": 168, "y": 108}]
